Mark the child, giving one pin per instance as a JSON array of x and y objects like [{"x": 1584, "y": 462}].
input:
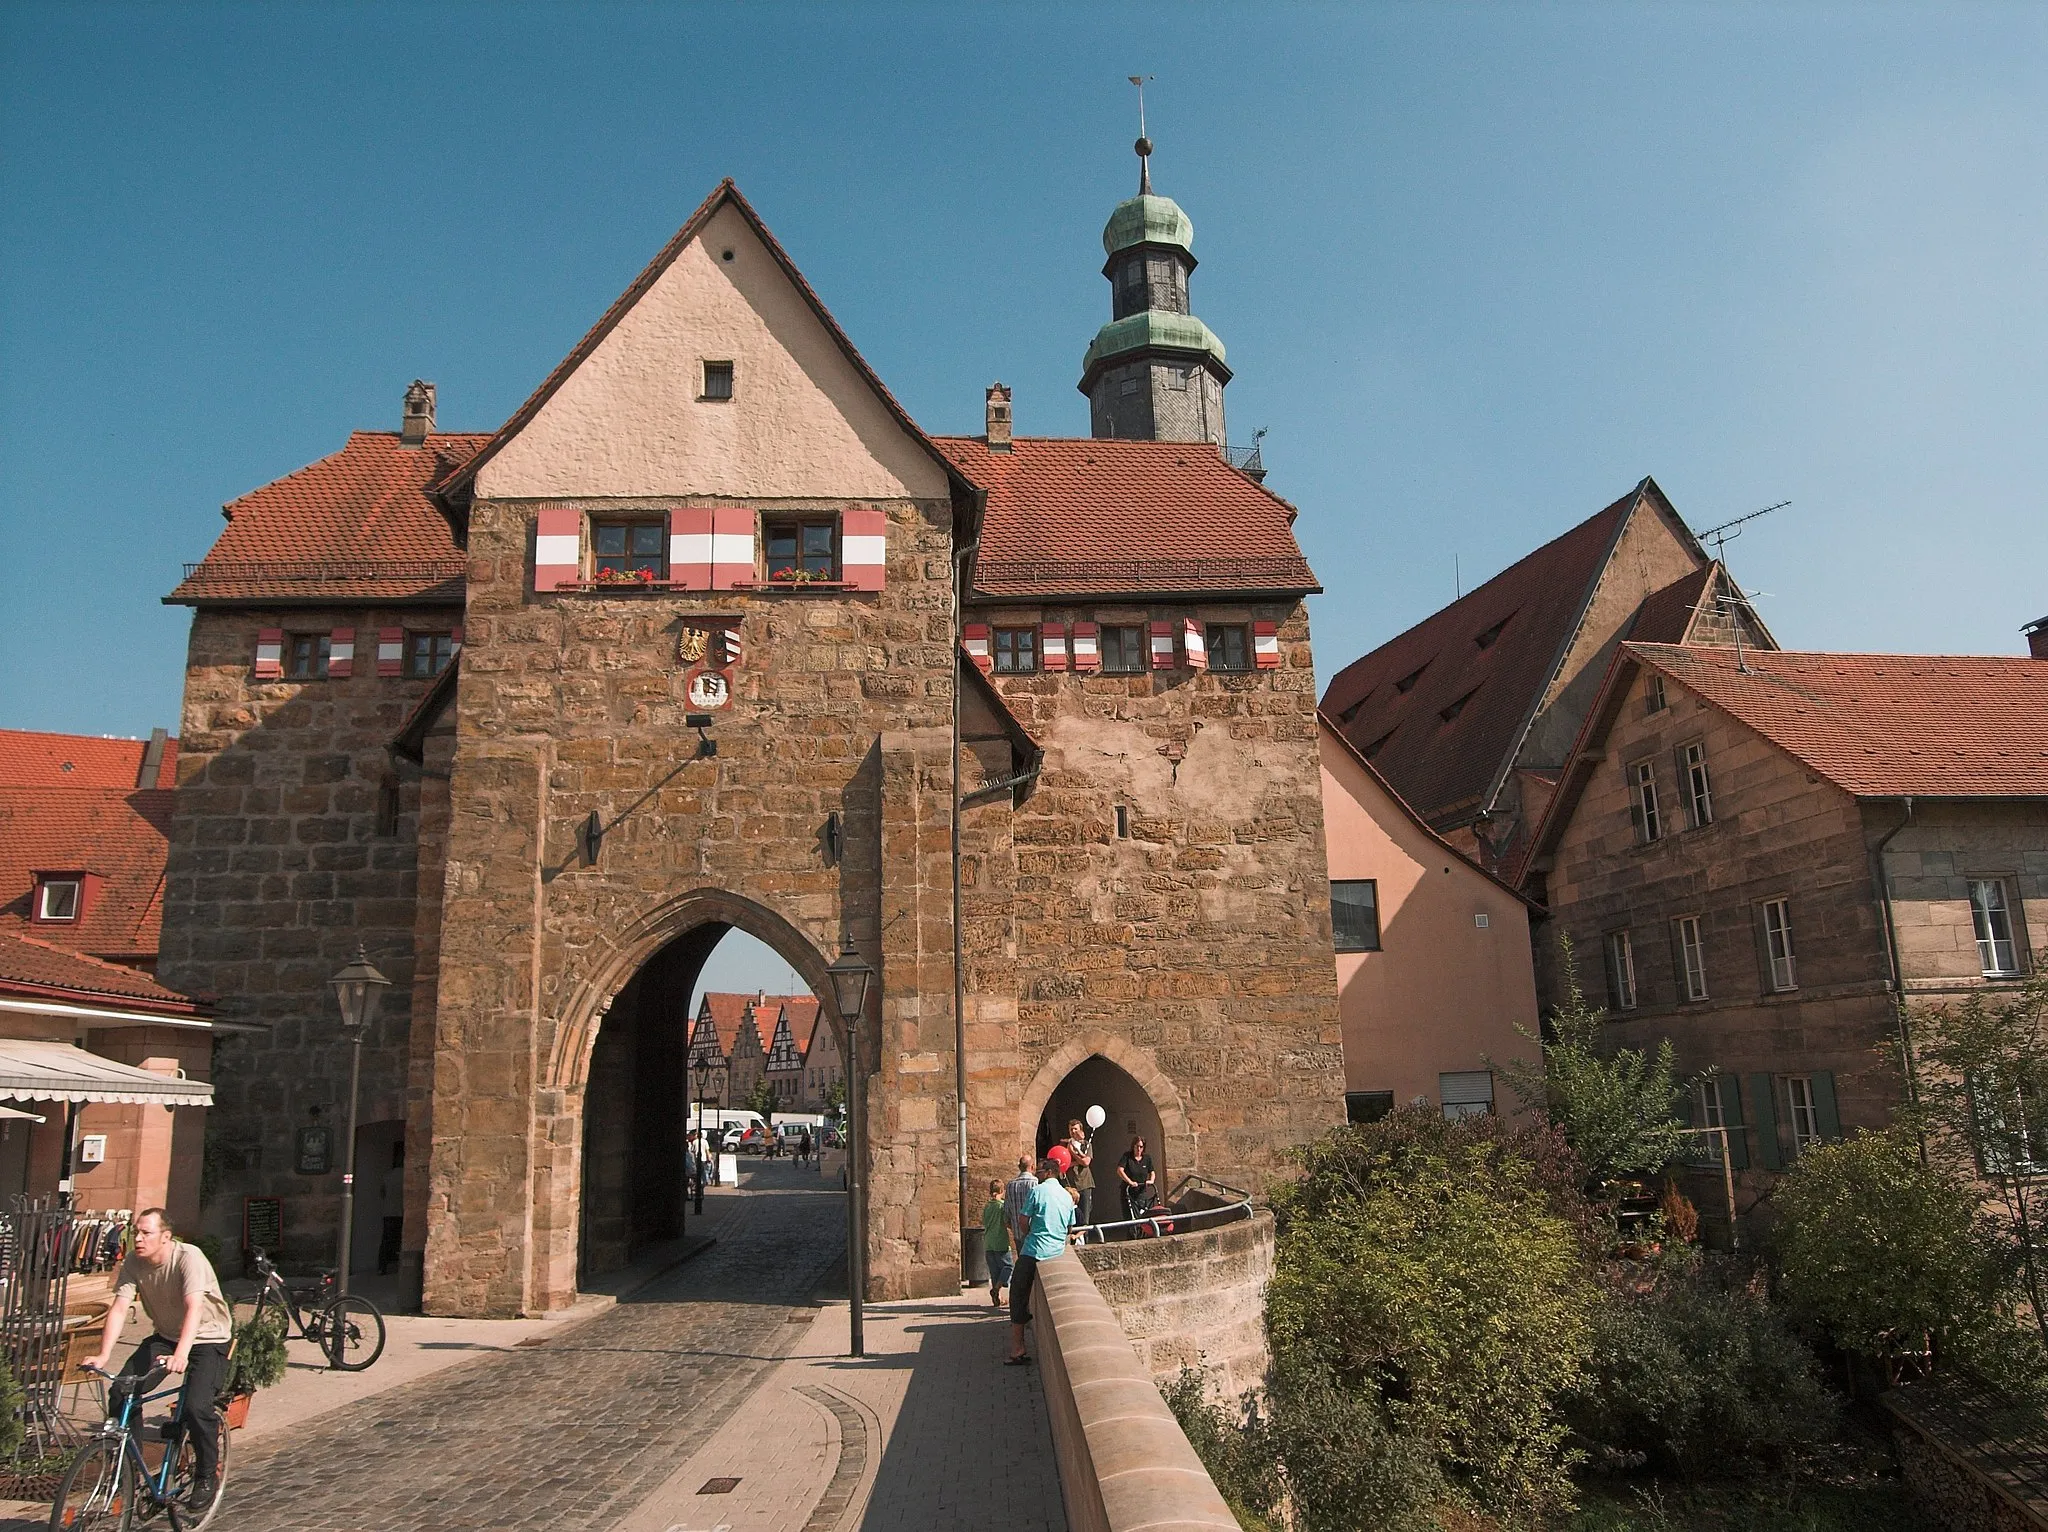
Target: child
[{"x": 995, "y": 1243}]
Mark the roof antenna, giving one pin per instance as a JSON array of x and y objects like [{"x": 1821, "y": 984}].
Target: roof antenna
[
  {"x": 1457, "y": 578},
  {"x": 1723, "y": 535},
  {"x": 1144, "y": 144}
]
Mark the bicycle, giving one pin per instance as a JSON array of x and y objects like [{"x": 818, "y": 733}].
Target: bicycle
[
  {"x": 110, "y": 1483},
  {"x": 349, "y": 1330}
]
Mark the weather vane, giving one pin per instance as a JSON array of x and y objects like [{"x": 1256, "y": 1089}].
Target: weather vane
[{"x": 1144, "y": 144}]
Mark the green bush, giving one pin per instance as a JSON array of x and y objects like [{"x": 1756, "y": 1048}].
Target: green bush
[
  {"x": 10, "y": 1413},
  {"x": 1238, "y": 1453},
  {"x": 1696, "y": 1375},
  {"x": 259, "y": 1360},
  {"x": 1426, "y": 1274}
]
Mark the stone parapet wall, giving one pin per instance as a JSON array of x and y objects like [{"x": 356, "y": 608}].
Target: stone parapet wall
[
  {"x": 1193, "y": 1300},
  {"x": 1124, "y": 1461}
]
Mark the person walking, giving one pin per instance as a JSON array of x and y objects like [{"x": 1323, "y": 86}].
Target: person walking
[
  {"x": 1081, "y": 1178},
  {"x": 804, "y": 1146},
  {"x": 1135, "y": 1173},
  {"x": 995, "y": 1243},
  {"x": 190, "y": 1330},
  {"x": 696, "y": 1169},
  {"x": 1045, "y": 1239}
]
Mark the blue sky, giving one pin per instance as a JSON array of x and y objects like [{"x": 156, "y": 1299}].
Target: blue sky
[{"x": 1478, "y": 268}]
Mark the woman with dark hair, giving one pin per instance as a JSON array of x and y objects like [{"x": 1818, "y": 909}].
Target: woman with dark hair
[{"x": 1138, "y": 1178}]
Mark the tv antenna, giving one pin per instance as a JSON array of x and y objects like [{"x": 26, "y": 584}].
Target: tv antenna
[{"x": 1726, "y": 532}]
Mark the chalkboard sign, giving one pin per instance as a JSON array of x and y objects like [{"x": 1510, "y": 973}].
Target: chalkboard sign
[
  {"x": 262, "y": 1223},
  {"x": 316, "y": 1154}
]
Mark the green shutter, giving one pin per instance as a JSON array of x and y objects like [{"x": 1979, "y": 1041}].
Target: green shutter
[
  {"x": 1731, "y": 1115},
  {"x": 1763, "y": 1100},
  {"x": 1824, "y": 1111}
]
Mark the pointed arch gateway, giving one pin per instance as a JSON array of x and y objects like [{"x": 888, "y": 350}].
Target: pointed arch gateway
[
  {"x": 1097, "y": 1068},
  {"x": 614, "y": 1087}
]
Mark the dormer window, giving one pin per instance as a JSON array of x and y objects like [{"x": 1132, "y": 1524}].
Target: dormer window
[
  {"x": 1485, "y": 640},
  {"x": 1407, "y": 682},
  {"x": 58, "y": 898},
  {"x": 1447, "y": 714}
]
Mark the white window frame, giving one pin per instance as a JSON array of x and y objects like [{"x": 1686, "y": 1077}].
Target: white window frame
[
  {"x": 1802, "y": 1116},
  {"x": 1990, "y": 904},
  {"x": 1692, "y": 958},
  {"x": 1642, "y": 776},
  {"x": 1699, "y": 790},
  {"x": 1706, "y": 1103},
  {"x": 1621, "y": 970},
  {"x": 1779, "y": 952},
  {"x": 48, "y": 886},
  {"x": 1654, "y": 700}
]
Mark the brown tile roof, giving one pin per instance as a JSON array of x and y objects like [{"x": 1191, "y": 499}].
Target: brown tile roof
[
  {"x": 1665, "y": 617},
  {"x": 37, "y": 969},
  {"x": 1391, "y": 704},
  {"x": 727, "y": 1012},
  {"x": 1884, "y": 725},
  {"x": 1074, "y": 516},
  {"x": 358, "y": 525},
  {"x": 124, "y": 837},
  {"x": 30, "y": 759}
]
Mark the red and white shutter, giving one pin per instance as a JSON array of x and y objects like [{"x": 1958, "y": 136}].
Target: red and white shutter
[
  {"x": 1266, "y": 645},
  {"x": 1052, "y": 646},
  {"x": 689, "y": 547},
  {"x": 390, "y": 651},
  {"x": 341, "y": 653},
  {"x": 269, "y": 654},
  {"x": 1087, "y": 646},
  {"x": 732, "y": 547},
  {"x": 1162, "y": 646},
  {"x": 557, "y": 551},
  {"x": 1196, "y": 643},
  {"x": 455, "y": 641},
  {"x": 974, "y": 638},
  {"x": 863, "y": 548}
]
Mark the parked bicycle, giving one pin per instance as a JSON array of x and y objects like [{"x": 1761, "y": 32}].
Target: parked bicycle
[
  {"x": 110, "y": 1483},
  {"x": 349, "y": 1330}
]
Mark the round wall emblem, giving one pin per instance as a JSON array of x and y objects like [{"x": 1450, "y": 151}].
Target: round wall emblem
[{"x": 708, "y": 690}]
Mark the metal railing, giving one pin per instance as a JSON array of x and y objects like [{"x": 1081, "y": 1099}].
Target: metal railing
[
  {"x": 325, "y": 571},
  {"x": 1238, "y": 1208},
  {"x": 35, "y": 1272}
]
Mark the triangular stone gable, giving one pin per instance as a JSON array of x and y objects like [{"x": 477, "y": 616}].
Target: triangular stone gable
[{"x": 626, "y": 418}]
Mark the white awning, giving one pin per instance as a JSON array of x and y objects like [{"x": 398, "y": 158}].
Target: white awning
[{"x": 45, "y": 1071}]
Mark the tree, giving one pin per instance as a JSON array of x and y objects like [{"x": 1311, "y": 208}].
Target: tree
[
  {"x": 1980, "y": 1098},
  {"x": 1884, "y": 1251},
  {"x": 1614, "y": 1106},
  {"x": 835, "y": 1099},
  {"x": 762, "y": 1099},
  {"x": 1425, "y": 1270}
]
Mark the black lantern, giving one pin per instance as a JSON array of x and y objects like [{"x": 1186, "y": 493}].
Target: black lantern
[
  {"x": 850, "y": 976},
  {"x": 359, "y": 989}
]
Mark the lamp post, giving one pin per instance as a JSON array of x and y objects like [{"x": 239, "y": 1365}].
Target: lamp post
[
  {"x": 702, "y": 1071},
  {"x": 850, "y": 978},
  {"x": 359, "y": 989}
]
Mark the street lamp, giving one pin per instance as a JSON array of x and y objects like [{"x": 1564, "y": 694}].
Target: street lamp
[
  {"x": 358, "y": 989},
  {"x": 850, "y": 978},
  {"x": 702, "y": 1070}
]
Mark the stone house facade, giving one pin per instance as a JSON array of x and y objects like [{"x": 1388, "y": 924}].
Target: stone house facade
[
  {"x": 1766, "y": 857},
  {"x": 710, "y": 656}
]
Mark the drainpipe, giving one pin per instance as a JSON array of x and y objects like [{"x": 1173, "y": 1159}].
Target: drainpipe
[
  {"x": 961, "y": 558},
  {"x": 1891, "y": 952}
]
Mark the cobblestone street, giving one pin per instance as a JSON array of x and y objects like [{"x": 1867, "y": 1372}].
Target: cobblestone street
[{"x": 573, "y": 1433}]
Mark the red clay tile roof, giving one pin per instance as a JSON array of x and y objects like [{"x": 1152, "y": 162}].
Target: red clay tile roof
[
  {"x": 1074, "y": 516},
  {"x": 358, "y": 525},
  {"x": 37, "y": 969},
  {"x": 29, "y": 759},
  {"x": 1437, "y": 763},
  {"x": 1885, "y": 725},
  {"x": 1665, "y": 617},
  {"x": 124, "y": 837}
]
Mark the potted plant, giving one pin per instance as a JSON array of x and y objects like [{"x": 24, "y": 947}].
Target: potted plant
[{"x": 258, "y": 1361}]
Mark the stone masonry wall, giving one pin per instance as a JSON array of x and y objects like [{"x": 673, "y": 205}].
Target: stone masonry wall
[
  {"x": 1197, "y": 948},
  {"x": 571, "y": 703},
  {"x": 1193, "y": 1300},
  {"x": 277, "y": 869}
]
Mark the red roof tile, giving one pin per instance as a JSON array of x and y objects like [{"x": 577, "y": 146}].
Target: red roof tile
[
  {"x": 1884, "y": 725},
  {"x": 357, "y": 525},
  {"x": 1665, "y": 617},
  {"x": 1390, "y": 705},
  {"x": 1075, "y": 516},
  {"x": 49, "y": 972},
  {"x": 29, "y": 759},
  {"x": 124, "y": 837}
]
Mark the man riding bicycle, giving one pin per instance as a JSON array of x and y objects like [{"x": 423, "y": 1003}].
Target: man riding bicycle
[{"x": 192, "y": 1328}]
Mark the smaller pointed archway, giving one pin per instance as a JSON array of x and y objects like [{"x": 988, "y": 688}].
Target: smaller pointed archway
[{"x": 1137, "y": 1100}]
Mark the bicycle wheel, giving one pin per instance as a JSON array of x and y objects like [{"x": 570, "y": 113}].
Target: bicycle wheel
[
  {"x": 187, "y": 1469},
  {"x": 351, "y": 1333},
  {"x": 98, "y": 1489}
]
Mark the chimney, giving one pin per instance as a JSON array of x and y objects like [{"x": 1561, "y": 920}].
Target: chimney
[
  {"x": 419, "y": 414},
  {"x": 152, "y": 758},
  {"x": 998, "y": 418},
  {"x": 2037, "y": 638}
]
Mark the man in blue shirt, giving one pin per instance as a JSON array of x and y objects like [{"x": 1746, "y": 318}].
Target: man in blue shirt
[{"x": 1051, "y": 1215}]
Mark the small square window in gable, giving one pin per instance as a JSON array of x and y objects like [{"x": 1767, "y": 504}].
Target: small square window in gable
[{"x": 717, "y": 381}]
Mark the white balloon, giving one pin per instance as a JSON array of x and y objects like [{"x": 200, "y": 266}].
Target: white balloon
[{"x": 1096, "y": 1117}]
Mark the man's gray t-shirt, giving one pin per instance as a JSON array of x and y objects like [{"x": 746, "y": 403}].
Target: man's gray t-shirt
[
  {"x": 164, "y": 1289},
  {"x": 1017, "y": 1198}
]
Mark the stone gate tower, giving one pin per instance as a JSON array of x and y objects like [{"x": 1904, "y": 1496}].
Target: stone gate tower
[{"x": 1154, "y": 372}]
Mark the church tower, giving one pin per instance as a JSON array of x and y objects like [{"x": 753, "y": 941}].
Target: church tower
[{"x": 1154, "y": 372}]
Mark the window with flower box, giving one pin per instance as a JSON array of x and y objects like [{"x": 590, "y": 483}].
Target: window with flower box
[
  {"x": 800, "y": 550},
  {"x": 628, "y": 552}
]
